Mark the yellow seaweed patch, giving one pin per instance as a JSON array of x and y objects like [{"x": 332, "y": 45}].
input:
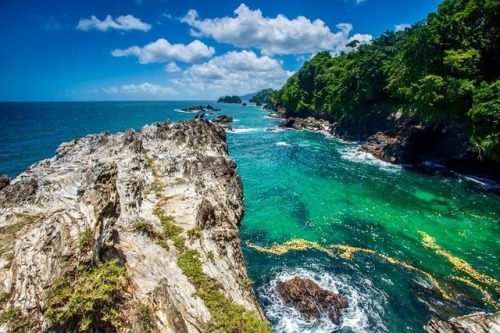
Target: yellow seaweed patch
[
  {"x": 345, "y": 252},
  {"x": 464, "y": 267},
  {"x": 293, "y": 245}
]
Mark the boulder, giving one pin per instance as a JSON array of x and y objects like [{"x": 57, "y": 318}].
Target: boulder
[
  {"x": 223, "y": 119},
  {"x": 475, "y": 323},
  {"x": 310, "y": 299}
]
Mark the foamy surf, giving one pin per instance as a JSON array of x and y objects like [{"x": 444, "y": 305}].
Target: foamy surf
[
  {"x": 353, "y": 154},
  {"x": 365, "y": 311},
  {"x": 243, "y": 130}
]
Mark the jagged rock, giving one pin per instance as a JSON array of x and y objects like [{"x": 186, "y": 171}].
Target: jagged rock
[
  {"x": 310, "y": 299},
  {"x": 309, "y": 123},
  {"x": 97, "y": 191},
  {"x": 223, "y": 119},
  {"x": 475, "y": 323}
]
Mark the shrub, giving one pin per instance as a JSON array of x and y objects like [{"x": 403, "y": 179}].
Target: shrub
[{"x": 88, "y": 299}]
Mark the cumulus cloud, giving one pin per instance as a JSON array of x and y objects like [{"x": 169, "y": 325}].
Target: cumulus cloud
[
  {"x": 234, "y": 73},
  {"x": 402, "y": 26},
  {"x": 172, "y": 67},
  {"x": 145, "y": 88},
  {"x": 162, "y": 51},
  {"x": 279, "y": 35},
  {"x": 125, "y": 23}
]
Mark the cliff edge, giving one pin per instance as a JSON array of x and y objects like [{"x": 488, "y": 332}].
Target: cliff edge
[{"x": 131, "y": 232}]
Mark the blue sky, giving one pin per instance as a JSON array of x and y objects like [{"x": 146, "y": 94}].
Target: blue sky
[{"x": 177, "y": 50}]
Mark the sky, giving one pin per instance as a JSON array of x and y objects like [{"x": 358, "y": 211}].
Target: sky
[{"x": 99, "y": 50}]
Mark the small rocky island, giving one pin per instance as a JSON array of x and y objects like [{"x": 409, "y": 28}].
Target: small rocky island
[
  {"x": 131, "y": 232},
  {"x": 200, "y": 108},
  {"x": 230, "y": 99}
]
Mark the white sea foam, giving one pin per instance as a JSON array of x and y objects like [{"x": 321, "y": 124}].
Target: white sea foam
[
  {"x": 482, "y": 181},
  {"x": 281, "y": 143},
  {"x": 365, "y": 305},
  {"x": 243, "y": 130},
  {"x": 353, "y": 154}
]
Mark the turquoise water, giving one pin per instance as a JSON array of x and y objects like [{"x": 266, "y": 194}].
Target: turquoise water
[{"x": 401, "y": 246}]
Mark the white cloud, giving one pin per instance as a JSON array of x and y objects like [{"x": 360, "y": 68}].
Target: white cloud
[
  {"x": 172, "y": 67},
  {"x": 145, "y": 88},
  {"x": 402, "y": 26},
  {"x": 162, "y": 51},
  {"x": 126, "y": 23},
  {"x": 233, "y": 73},
  {"x": 279, "y": 35}
]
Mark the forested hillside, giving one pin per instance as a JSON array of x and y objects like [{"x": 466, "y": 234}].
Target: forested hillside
[{"x": 443, "y": 69}]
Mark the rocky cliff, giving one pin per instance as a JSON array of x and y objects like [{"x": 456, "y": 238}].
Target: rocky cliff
[
  {"x": 132, "y": 232},
  {"x": 399, "y": 139}
]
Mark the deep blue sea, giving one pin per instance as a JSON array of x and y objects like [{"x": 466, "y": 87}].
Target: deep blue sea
[{"x": 401, "y": 246}]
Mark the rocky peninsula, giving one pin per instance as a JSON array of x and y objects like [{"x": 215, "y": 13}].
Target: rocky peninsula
[{"x": 128, "y": 232}]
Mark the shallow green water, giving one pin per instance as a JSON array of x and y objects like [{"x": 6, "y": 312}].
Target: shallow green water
[{"x": 418, "y": 245}]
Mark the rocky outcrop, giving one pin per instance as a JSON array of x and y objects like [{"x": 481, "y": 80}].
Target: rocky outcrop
[
  {"x": 223, "y": 119},
  {"x": 446, "y": 146},
  {"x": 475, "y": 323},
  {"x": 361, "y": 127},
  {"x": 310, "y": 299},
  {"x": 309, "y": 123},
  {"x": 163, "y": 203},
  {"x": 199, "y": 108},
  {"x": 399, "y": 139}
]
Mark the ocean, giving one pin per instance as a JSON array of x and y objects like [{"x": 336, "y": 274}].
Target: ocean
[{"x": 401, "y": 246}]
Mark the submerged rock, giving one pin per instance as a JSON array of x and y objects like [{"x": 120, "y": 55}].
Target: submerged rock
[
  {"x": 310, "y": 299},
  {"x": 158, "y": 202},
  {"x": 475, "y": 323}
]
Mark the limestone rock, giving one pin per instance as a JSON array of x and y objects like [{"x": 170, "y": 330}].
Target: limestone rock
[
  {"x": 310, "y": 299},
  {"x": 103, "y": 187},
  {"x": 475, "y": 323}
]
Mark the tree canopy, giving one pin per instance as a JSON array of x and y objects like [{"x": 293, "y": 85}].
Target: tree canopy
[
  {"x": 262, "y": 96},
  {"x": 229, "y": 99}
]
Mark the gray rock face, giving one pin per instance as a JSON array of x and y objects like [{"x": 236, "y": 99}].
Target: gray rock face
[
  {"x": 475, "y": 323},
  {"x": 103, "y": 186}
]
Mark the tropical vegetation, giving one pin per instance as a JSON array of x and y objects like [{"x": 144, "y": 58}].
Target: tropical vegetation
[{"x": 443, "y": 69}]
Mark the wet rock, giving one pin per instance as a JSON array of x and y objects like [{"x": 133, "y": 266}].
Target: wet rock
[
  {"x": 309, "y": 123},
  {"x": 223, "y": 119},
  {"x": 475, "y": 323},
  {"x": 310, "y": 299}
]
